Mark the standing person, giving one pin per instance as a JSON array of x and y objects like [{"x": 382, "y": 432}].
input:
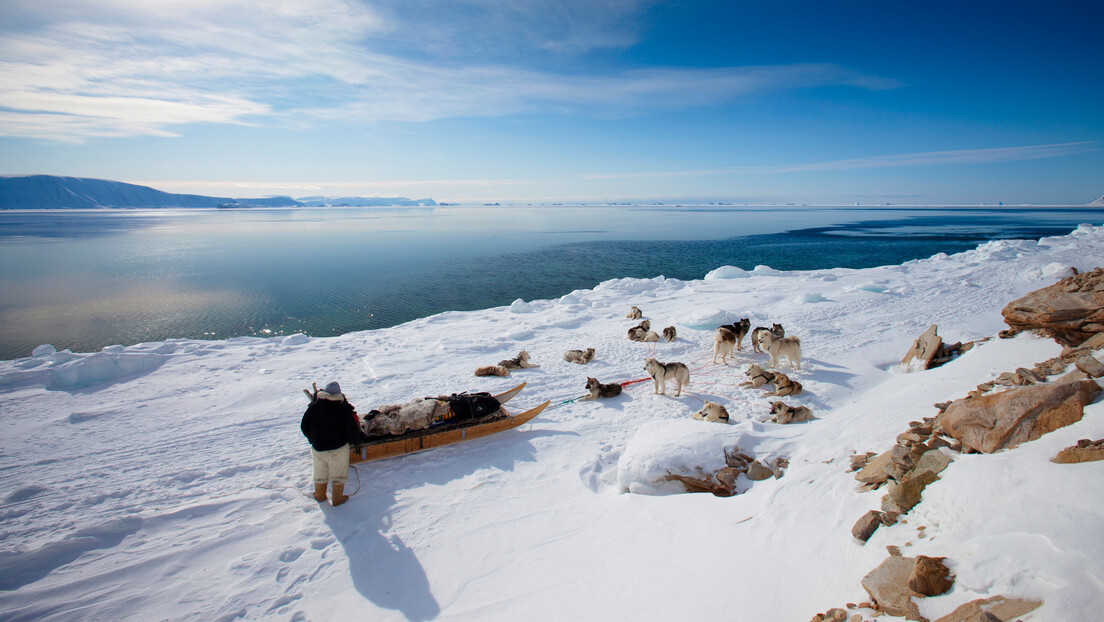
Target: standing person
[{"x": 330, "y": 424}]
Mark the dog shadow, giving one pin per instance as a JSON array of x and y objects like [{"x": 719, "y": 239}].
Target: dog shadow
[{"x": 383, "y": 569}]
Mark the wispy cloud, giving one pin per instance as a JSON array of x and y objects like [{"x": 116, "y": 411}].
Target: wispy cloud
[
  {"x": 928, "y": 158},
  {"x": 73, "y": 70}
]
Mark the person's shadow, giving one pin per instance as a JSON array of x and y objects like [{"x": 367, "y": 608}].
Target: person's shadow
[{"x": 383, "y": 569}]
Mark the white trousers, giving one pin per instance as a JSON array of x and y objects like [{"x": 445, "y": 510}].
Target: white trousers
[{"x": 331, "y": 465}]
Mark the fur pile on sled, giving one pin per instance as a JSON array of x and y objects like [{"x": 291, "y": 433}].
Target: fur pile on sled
[{"x": 394, "y": 419}]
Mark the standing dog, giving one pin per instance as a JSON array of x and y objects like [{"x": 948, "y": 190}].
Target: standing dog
[
  {"x": 669, "y": 333},
  {"x": 781, "y": 413},
  {"x": 757, "y": 376},
  {"x": 789, "y": 347},
  {"x": 634, "y": 313},
  {"x": 712, "y": 411},
  {"x": 579, "y": 356},
  {"x": 518, "y": 362},
  {"x": 740, "y": 330},
  {"x": 723, "y": 341},
  {"x": 662, "y": 372},
  {"x": 777, "y": 329},
  {"x": 597, "y": 389}
]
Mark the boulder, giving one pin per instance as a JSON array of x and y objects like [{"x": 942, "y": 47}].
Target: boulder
[
  {"x": 1090, "y": 366},
  {"x": 930, "y": 576},
  {"x": 1070, "y": 311},
  {"x": 867, "y": 525},
  {"x": 1003, "y": 420},
  {"x": 907, "y": 494},
  {"x": 997, "y": 606},
  {"x": 757, "y": 472},
  {"x": 933, "y": 461},
  {"x": 888, "y": 587},
  {"x": 875, "y": 470},
  {"x": 923, "y": 350}
]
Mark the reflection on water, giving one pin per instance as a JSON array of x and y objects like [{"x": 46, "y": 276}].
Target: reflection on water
[{"x": 87, "y": 279}]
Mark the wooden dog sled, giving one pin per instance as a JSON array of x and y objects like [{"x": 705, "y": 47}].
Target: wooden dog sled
[{"x": 443, "y": 434}]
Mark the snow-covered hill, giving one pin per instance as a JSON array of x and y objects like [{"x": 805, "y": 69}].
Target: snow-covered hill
[{"x": 168, "y": 480}]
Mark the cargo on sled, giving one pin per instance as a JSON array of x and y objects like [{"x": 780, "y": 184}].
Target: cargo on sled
[{"x": 436, "y": 422}]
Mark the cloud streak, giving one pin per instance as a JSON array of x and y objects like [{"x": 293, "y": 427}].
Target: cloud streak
[{"x": 148, "y": 67}]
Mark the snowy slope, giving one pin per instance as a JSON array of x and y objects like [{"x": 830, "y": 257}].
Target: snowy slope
[{"x": 168, "y": 480}]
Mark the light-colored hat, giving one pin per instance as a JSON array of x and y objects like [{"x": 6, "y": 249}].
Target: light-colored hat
[{"x": 333, "y": 388}]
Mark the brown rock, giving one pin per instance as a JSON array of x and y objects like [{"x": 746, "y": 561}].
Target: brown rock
[
  {"x": 1090, "y": 365},
  {"x": 1070, "y": 311},
  {"x": 875, "y": 470},
  {"x": 907, "y": 494},
  {"x": 998, "y": 606},
  {"x": 757, "y": 472},
  {"x": 930, "y": 576},
  {"x": 888, "y": 587},
  {"x": 1003, "y": 420},
  {"x": 933, "y": 461},
  {"x": 867, "y": 525},
  {"x": 1083, "y": 451},
  {"x": 923, "y": 350}
]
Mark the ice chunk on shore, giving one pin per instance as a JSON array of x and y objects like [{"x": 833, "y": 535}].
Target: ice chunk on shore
[
  {"x": 43, "y": 350},
  {"x": 708, "y": 319},
  {"x": 520, "y": 306},
  {"x": 727, "y": 272}
]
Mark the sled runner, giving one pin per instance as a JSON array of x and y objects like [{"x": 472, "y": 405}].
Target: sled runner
[{"x": 448, "y": 433}]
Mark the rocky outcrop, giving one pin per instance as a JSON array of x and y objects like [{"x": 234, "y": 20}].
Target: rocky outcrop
[
  {"x": 998, "y": 421},
  {"x": 929, "y": 351},
  {"x": 996, "y": 607},
  {"x": 888, "y": 587},
  {"x": 1084, "y": 451},
  {"x": 1070, "y": 311}
]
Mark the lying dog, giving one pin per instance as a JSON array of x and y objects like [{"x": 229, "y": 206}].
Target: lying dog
[
  {"x": 788, "y": 347},
  {"x": 662, "y": 372},
  {"x": 784, "y": 386},
  {"x": 640, "y": 331},
  {"x": 634, "y": 313},
  {"x": 669, "y": 333},
  {"x": 777, "y": 329},
  {"x": 492, "y": 370},
  {"x": 597, "y": 389},
  {"x": 712, "y": 411},
  {"x": 781, "y": 413},
  {"x": 518, "y": 362},
  {"x": 757, "y": 376},
  {"x": 579, "y": 356}
]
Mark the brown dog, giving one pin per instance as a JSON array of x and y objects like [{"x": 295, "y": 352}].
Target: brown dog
[
  {"x": 492, "y": 370},
  {"x": 597, "y": 389},
  {"x": 783, "y": 386},
  {"x": 781, "y": 413}
]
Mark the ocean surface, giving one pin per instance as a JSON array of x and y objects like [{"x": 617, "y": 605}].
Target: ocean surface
[{"x": 86, "y": 279}]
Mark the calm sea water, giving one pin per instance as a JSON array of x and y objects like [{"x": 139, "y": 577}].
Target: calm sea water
[{"x": 87, "y": 279}]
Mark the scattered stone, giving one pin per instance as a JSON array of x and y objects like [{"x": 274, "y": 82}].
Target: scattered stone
[
  {"x": 1003, "y": 420},
  {"x": 933, "y": 461},
  {"x": 1084, "y": 451},
  {"x": 1027, "y": 375},
  {"x": 1090, "y": 365},
  {"x": 757, "y": 472},
  {"x": 998, "y": 607},
  {"x": 867, "y": 525},
  {"x": 930, "y": 576},
  {"x": 875, "y": 470},
  {"x": 859, "y": 461},
  {"x": 907, "y": 494},
  {"x": 923, "y": 350},
  {"x": 888, "y": 586},
  {"x": 893, "y": 550},
  {"x": 1070, "y": 311}
]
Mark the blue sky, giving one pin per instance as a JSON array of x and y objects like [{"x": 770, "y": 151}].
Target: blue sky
[{"x": 571, "y": 100}]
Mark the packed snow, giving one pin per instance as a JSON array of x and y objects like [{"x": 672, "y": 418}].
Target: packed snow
[{"x": 170, "y": 480}]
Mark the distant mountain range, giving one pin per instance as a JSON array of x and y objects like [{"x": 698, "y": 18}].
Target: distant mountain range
[{"x": 56, "y": 192}]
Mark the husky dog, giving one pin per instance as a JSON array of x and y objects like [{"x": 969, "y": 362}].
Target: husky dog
[
  {"x": 783, "y": 386},
  {"x": 777, "y": 329},
  {"x": 781, "y": 413},
  {"x": 662, "y": 372},
  {"x": 723, "y": 341},
  {"x": 789, "y": 347},
  {"x": 712, "y": 411},
  {"x": 634, "y": 313},
  {"x": 740, "y": 330},
  {"x": 669, "y": 333},
  {"x": 579, "y": 356},
  {"x": 597, "y": 389},
  {"x": 650, "y": 336},
  {"x": 492, "y": 370},
  {"x": 640, "y": 331},
  {"x": 757, "y": 376},
  {"x": 518, "y": 362}
]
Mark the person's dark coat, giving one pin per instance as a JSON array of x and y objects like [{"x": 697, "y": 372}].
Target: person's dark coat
[{"x": 330, "y": 422}]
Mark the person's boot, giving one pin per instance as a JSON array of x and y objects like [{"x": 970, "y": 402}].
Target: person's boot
[
  {"x": 320, "y": 492},
  {"x": 338, "y": 496}
]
